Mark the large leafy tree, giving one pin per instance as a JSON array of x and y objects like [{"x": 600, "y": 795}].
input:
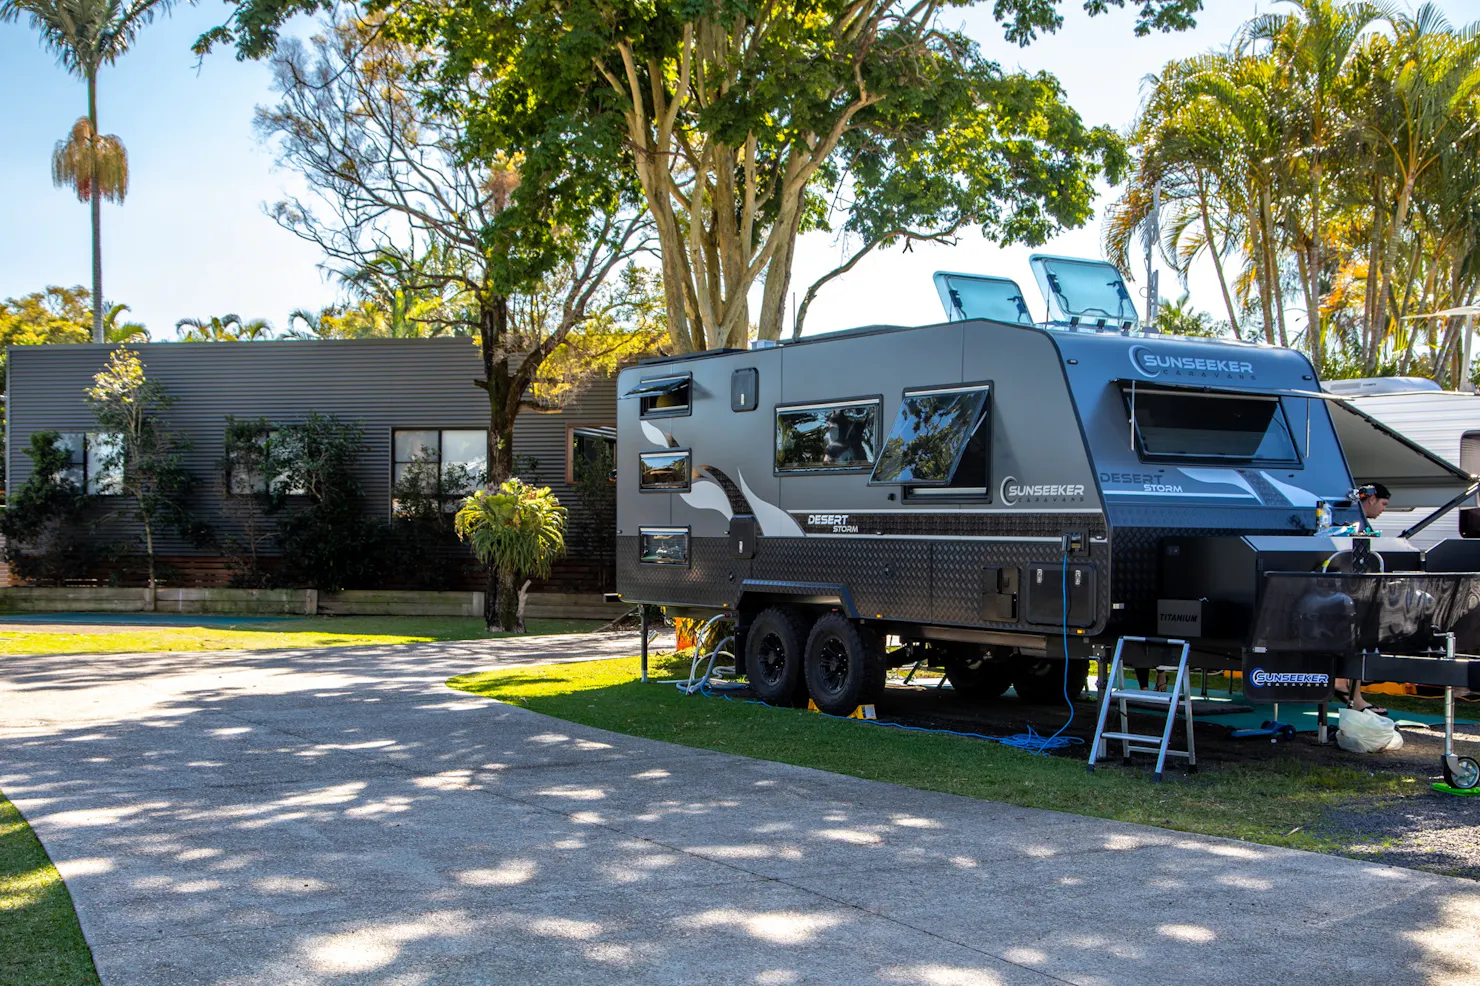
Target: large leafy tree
[
  {"x": 734, "y": 119},
  {"x": 396, "y": 187},
  {"x": 85, "y": 35}
]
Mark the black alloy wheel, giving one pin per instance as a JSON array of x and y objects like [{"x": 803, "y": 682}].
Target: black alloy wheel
[
  {"x": 977, "y": 672},
  {"x": 845, "y": 665},
  {"x": 774, "y": 648},
  {"x": 1040, "y": 680}
]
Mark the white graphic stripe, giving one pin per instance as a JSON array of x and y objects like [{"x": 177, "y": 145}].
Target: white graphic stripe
[{"x": 774, "y": 521}]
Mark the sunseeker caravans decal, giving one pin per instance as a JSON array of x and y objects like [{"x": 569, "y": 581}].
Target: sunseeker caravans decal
[
  {"x": 1160, "y": 362},
  {"x": 1013, "y": 492}
]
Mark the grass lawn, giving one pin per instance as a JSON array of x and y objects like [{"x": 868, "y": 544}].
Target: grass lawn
[
  {"x": 40, "y": 941},
  {"x": 1267, "y": 802},
  {"x": 318, "y": 631}
]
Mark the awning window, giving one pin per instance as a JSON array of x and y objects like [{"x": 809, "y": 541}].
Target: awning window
[
  {"x": 663, "y": 396},
  {"x": 931, "y": 434},
  {"x": 1174, "y": 424}
]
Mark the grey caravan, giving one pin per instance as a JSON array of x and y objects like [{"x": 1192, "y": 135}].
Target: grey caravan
[{"x": 993, "y": 491}]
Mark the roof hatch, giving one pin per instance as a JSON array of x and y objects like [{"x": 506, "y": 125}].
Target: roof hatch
[{"x": 1088, "y": 293}]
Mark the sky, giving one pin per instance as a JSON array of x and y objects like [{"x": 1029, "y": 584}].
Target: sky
[{"x": 193, "y": 240}]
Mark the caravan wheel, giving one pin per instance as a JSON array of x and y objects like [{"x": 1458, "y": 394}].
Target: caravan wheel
[
  {"x": 845, "y": 665},
  {"x": 978, "y": 672},
  {"x": 1041, "y": 681},
  {"x": 774, "y": 649}
]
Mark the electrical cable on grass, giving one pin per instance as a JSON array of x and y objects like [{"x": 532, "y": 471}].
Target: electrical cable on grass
[{"x": 1031, "y": 742}]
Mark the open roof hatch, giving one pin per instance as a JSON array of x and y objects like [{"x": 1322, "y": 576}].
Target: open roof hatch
[
  {"x": 1084, "y": 293},
  {"x": 967, "y": 296}
]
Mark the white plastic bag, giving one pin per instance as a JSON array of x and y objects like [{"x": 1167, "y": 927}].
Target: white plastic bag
[{"x": 1363, "y": 731}]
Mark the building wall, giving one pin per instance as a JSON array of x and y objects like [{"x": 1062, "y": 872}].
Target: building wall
[{"x": 383, "y": 384}]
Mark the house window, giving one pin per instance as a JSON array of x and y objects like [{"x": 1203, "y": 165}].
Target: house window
[
  {"x": 838, "y": 437},
  {"x": 938, "y": 438},
  {"x": 663, "y": 472},
  {"x": 589, "y": 446},
  {"x": 445, "y": 464},
  {"x": 92, "y": 461}
]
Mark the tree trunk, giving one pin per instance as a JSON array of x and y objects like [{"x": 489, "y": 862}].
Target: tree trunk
[
  {"x": 1202, "y": 201},
  {"x": 493, "y": 325},
  {"x": 509, "y": 617},
  {"x": 1390, "y": 251},
  {"x": 97, "y": 225},
  {"x": 1370, "y": 302}
]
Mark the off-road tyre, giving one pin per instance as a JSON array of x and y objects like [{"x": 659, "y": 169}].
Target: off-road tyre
[
  {"x": 977, "y": 672},
  {"x": 775, "y": 649},
  {"x": 844, "y": 666},
  {"x": 1040, "y": 680}
]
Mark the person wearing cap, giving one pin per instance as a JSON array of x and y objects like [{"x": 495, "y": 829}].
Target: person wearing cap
[{"x": 1374, "y": 499}]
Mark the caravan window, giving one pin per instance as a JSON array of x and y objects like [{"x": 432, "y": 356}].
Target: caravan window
[
  {"x": 663, "y": 546},
  {"x": 663, "y": 397},
  {"x": 827, "y": 437},
  {"x": 1180, "y": 425},
  {"x": 663, "y": 471},
  {"x": 937, "y": 434}
]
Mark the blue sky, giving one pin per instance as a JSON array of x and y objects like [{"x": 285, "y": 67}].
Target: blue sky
[{"x": 192, "y": 239}]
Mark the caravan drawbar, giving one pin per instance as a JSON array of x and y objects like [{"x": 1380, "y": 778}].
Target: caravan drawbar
[{"x": 1002, "y": 495}]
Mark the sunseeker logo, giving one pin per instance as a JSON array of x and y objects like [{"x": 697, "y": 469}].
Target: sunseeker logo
[
  {"x": 1150, "y": 363},
  {"x": 1012, "y": 491},
  {"x": 1263, "y": 679}
]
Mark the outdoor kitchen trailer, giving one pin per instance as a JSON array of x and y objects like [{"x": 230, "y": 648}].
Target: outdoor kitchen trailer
[{"x": 997, "y": 493}]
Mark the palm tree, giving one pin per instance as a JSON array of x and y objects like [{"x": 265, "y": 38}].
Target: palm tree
[
  {"x": 115, "y": 331},
  {"x": 223, "y": 328},
  {"x": 520, "y": 531},
  {"x": 1313, "y": 47},
  {"x": 85, "y": 35}
]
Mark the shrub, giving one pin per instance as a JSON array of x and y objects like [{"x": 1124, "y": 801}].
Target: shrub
[
  {"x": 518, "y": 529},
  {"x": 45, "y": 524}
]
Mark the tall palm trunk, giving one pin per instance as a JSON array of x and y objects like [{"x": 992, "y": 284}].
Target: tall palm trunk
[
  {"x": 96, "y": 195},
  {"x": 1217, "y": 255}
]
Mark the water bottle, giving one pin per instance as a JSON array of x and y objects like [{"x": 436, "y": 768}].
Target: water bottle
[{"x": 1323, "y": 516}]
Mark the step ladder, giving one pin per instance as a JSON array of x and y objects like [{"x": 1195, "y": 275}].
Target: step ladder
[{"x": 1140, "y": 742}]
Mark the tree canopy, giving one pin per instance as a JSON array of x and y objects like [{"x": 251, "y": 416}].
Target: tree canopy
[
  {"x": 1328, "y": 160},
  {"x": 739, "y": 123}
]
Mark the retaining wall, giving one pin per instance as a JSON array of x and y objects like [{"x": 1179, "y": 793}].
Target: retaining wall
[{"x": 294, "y": 602}]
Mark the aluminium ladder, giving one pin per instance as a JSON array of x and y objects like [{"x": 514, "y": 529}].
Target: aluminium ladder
[{"x": 1139, "y": 742}]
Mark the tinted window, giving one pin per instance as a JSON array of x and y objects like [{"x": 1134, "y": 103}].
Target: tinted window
[
  {"x": 663, "y": 546},
  {"x": 1210, "y": 426},
  {"x": 663, "y": 470},
  {"x": 827, "y": 437},
  {"x": 929, "y": 436}
]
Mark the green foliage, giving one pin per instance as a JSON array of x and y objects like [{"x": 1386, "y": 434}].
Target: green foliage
[
  {"x": 45, "y": 522},
  {"x": 1328, "y": 161},
  {"x": 596, "y": 520},
  {"x": 223, "y": 328},
  {"x": 328, "y": 542},
  {"x": 519, "y": 530},
  {"x": 250, "y": 498},
  {"x": 1179, "y": 318},
  {"x": 144, "y": 456},
  {"x": 42, "y": 943}
]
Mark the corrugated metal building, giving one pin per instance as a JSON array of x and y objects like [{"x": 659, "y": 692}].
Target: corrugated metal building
[{"x": 405, "y": 393}]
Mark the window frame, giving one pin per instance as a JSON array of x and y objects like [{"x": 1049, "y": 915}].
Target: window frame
[
  {"x": 877, "y": 400},
  {"x": 688, "y": 473},
  {"x": 644, "y": 405},
  {"x": 442, "y": 498},
  {"x": 1129, "y": 389},
  {"x": 84, "y": 466},
  {"x": 667, "y": 531},
  {"x": 940, "y": 489},
  {"x": 570, "y": 447}
]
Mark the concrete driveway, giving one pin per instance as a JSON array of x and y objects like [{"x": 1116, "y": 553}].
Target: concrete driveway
[{"x": 338, "y": 816}]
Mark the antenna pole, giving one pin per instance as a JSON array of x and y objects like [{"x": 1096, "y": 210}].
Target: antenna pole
[{"x": 1153, "y": 234}]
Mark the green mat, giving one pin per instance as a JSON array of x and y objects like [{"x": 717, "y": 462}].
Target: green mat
[{"x": 1303, "y": 717}]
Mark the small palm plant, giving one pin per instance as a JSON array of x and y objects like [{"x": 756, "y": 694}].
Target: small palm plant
[{"x": 518, "y": 529}]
